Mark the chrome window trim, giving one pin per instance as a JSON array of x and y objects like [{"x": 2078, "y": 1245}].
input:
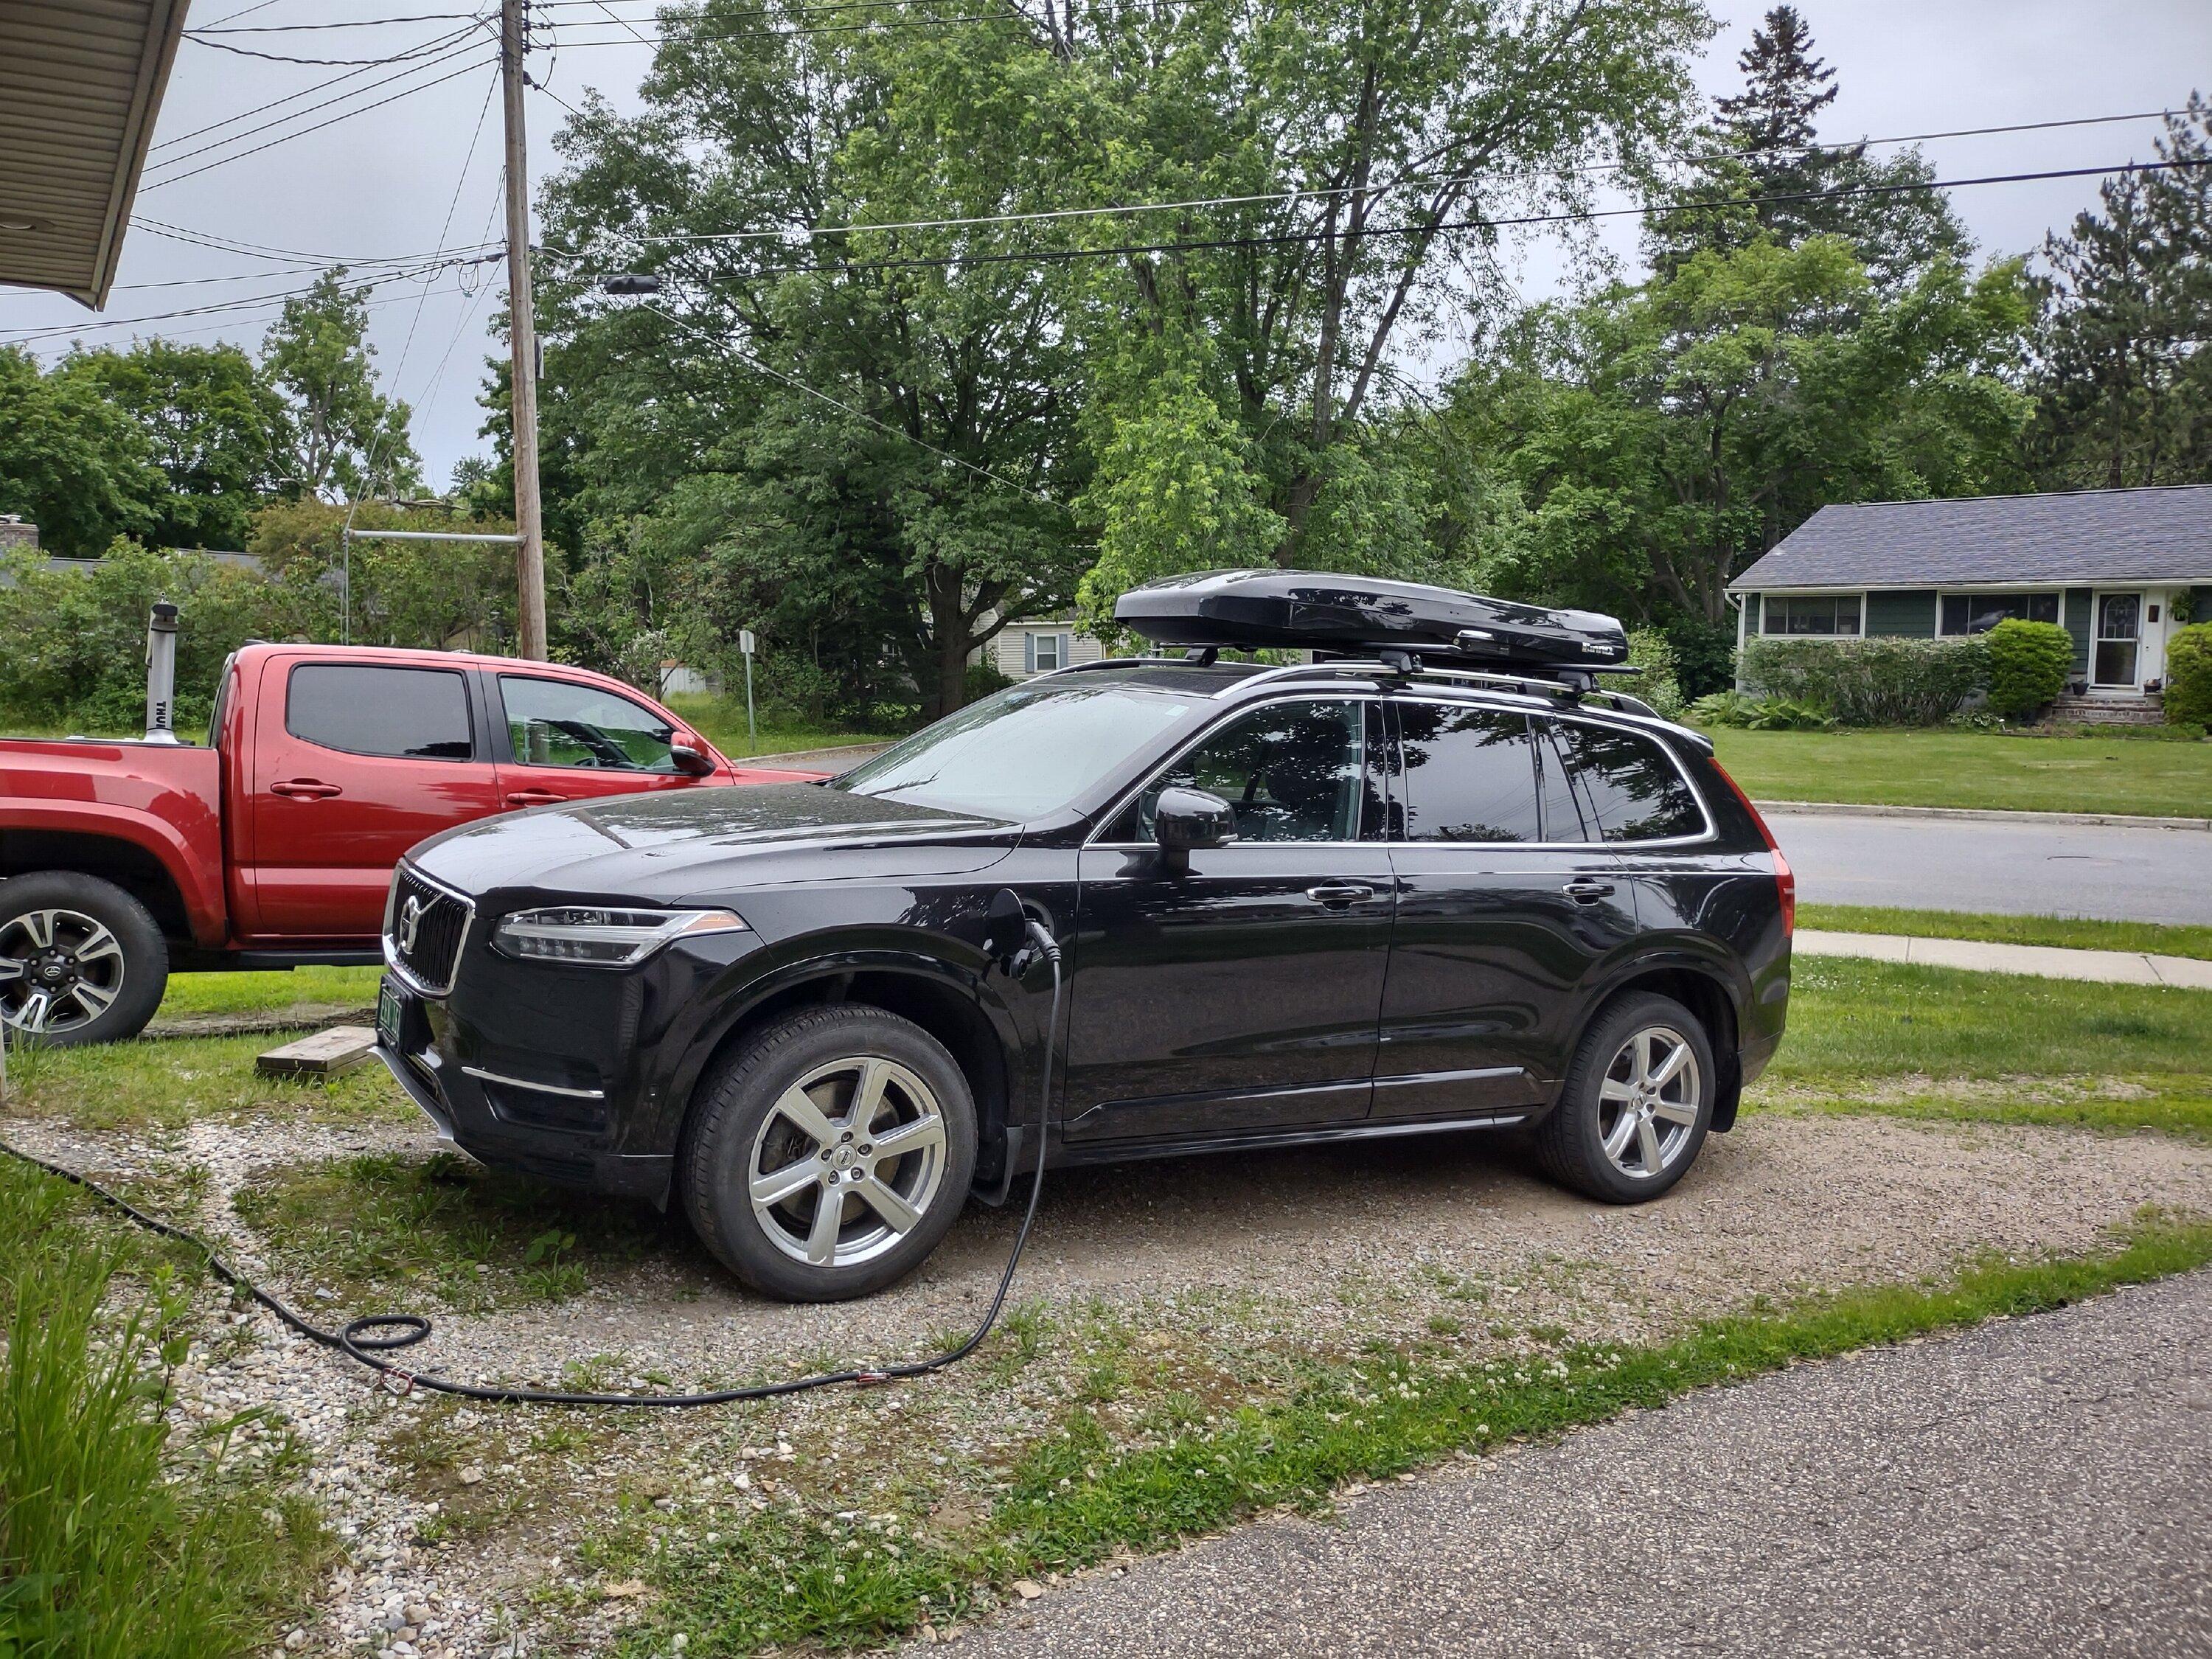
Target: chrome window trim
[
  {"x": 483, "y": 1076},
  {"x": 391, "y": 948},
  {"x": 1330, "y": 694}
]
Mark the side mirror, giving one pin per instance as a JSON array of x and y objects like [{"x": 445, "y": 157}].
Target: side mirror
[
  {"x": 1186, "y": 821},
  {"x": 690, "y": 761}
]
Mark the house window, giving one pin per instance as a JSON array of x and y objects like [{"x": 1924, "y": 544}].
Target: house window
[
  {"x": 1043, "y": 654},
  {"x": 1828, "y": 613},
  {"x": 1978, "y": 613}
]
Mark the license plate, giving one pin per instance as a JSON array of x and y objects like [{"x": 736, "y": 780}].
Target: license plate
[{"x": 388, "y": 1007}]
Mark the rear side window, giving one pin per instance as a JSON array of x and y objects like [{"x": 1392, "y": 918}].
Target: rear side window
[
  {"x": 407, "y": 713},
  {"x": 1470, "y": 773},
  {"x": 1630, "y": 782},
  {"x": 561, "y": 723}
]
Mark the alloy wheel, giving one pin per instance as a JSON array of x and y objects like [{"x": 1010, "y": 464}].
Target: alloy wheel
[
  {"x": 848, "y": 1162},
  {"x": 59, "y": 972},
  {"x": 1648, "y": 1103}
]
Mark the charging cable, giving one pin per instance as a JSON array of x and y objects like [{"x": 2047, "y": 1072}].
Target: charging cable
[{"x": 369, "y": 1338}]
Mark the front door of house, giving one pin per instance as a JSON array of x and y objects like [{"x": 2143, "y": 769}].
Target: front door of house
[{"x": 2116, "y": 653}]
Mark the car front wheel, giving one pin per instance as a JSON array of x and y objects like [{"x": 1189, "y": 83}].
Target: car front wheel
[
  {"x": 827, "y": 1157},
  {"x": 1637, "y": 1101}
]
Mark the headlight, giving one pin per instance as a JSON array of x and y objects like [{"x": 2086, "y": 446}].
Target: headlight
[{"x": 603, "y": 939}]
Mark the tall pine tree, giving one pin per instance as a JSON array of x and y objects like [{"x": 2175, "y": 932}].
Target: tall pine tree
[{"x": 1765, "y": 171}]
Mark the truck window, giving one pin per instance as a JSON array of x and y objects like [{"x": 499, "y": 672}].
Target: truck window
[
  {"x": 560, "y": 723},
  {"x": 408, "y": 714}
]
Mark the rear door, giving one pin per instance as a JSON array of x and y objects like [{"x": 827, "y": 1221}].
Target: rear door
[
  {"x": 1507, "y": 902},
  {"x": 352, "y": 763},
  {"x": 562, "y": 739}
]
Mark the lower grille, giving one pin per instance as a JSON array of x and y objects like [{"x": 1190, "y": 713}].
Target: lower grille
[{"x": 424, "y": 929}]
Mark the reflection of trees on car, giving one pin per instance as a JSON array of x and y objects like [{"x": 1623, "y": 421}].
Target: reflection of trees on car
[{"x": 1292, "y": 773}]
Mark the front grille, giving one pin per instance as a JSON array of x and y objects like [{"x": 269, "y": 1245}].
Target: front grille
[{"x": 424, "y": 931}]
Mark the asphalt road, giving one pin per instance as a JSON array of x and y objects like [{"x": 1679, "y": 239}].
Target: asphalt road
[
  {"x": 2117, "y": 873},
  {"x": 2039, "y": 1487}
]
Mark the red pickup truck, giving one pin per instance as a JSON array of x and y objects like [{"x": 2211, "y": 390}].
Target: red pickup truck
[{"x": 122, "y": 862}]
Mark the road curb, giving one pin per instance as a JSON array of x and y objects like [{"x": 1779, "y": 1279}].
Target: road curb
[{"x": 1862, "y": 810}]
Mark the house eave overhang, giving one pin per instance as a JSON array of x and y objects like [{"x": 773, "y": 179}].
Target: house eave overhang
[{"x": 81, "y": 84}]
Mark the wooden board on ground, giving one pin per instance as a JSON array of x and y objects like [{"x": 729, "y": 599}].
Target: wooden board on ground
[{"x": 326, "y": 1054}]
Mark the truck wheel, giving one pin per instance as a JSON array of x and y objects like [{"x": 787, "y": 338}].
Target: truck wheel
[
  {"x": 828, "y": 1156},
  {"x": 80, "y": 960}
]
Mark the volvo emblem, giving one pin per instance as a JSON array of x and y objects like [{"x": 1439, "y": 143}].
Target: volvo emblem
[{"x": 410, "y": 922}]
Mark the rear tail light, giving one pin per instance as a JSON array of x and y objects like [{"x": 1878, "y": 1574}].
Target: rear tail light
[{"x": 1785, "y": 878}]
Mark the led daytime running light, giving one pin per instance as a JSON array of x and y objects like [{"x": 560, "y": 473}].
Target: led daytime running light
[{"x": 603, "y": 938}]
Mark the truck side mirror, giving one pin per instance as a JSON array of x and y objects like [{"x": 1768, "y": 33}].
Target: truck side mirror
[
  {"x": 1186, "y": 821},
  {"x": 688, "y": 761}
]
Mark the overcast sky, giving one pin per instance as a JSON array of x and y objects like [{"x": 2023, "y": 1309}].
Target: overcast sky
[{"x": 381, "y": 184}]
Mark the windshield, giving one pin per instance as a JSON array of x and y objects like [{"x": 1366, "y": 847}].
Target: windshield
[{"x": 1022, "y": 752}]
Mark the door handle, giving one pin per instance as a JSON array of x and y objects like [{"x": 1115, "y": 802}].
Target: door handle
[
  {"x": 1336, "y": 895},
  {"x": 1589, "y": 892},
  {"x": 305, "y": 789},
  {"x": 534, "y": 798}
]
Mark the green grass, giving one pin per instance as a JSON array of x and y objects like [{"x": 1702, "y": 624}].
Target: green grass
[
  {"x": 721, "y": 721},
  {"x": 192, "y": 995},
  {"x": 1972, "y": 769},
  {"x": 1854, "y": 1021},
  {"x": 121, "y": 1538},
  {"x": 2065, "y": 932},
  {"x": 166, "y": 1084},
  {"x": 375, "y": 1228},
  {"x": 790, "y": 1579}
]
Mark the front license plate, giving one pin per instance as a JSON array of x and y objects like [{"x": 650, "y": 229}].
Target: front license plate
[{"x": 388, "y": 1007}]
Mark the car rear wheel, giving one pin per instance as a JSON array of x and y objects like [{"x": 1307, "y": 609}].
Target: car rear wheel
[
  {"x": 80, "y": 960},
  {"x": 826, "y": 1159},
  {"x": 1637, "y": 1101}
]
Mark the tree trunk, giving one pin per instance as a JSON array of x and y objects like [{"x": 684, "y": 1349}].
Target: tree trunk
[{"x": 949, "y": 643}]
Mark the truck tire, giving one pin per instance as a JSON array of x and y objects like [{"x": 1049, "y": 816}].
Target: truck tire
[
  {"x": 829, "y": 1155},
  {"x": 80, "y": 960}
]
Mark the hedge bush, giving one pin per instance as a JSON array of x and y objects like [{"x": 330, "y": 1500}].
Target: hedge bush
[
  {"x": 2189, "y": 677},
  {"x": 1881, "y": 681},
  {"x": 2029, "y": 662}
]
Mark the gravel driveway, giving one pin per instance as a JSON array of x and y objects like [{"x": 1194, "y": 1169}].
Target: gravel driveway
[{"x": 2039, "y": 1487}]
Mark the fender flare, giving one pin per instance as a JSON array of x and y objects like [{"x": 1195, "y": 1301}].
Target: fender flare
[{"x": 204, "y": 905}]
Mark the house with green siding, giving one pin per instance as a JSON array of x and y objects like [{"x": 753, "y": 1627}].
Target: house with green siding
[{"x": 2119, "y": 569}]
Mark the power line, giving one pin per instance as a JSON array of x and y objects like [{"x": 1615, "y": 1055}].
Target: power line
[
  {"x": 1325, "y": 192},
  {"x": 796, "y": 385},
  {"x": 225, "y": 160},
  {"x": 421, "y": 269},
  {"x": 352, "y": 23},
  {"x": 423, "y": 50},
  {"x": 262, "y": 250}
]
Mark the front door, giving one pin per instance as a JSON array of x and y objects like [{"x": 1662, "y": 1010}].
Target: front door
[
  {"x": 353, "y": 764},
  {"x": 1242, "y": 994},
  {"x": 2116, "y": 653},
  {"x": 569, "y": 741}
]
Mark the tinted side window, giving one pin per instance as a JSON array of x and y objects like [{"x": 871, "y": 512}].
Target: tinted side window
[
  {"x": 1628, "y": 781},
  {"x": 1293, "y": 771},
  {"x": 409, "y": 713},
  {"x": 559, "y": 723},
  {"x": 1470, "y": 773}
]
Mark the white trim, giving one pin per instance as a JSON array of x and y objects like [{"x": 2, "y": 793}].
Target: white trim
[
  {"x": 2097, "y": 598},
  {"x": 1838, "y": 593}
]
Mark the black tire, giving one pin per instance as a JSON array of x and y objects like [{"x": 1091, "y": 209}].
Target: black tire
[
  {"x": 742, "y": 1125},
  {"x": 80, "y": 960},
  {"x": 1571, "y": 1142}
]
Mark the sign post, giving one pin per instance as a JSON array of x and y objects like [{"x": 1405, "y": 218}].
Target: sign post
[{"x": 745, "y": 645}]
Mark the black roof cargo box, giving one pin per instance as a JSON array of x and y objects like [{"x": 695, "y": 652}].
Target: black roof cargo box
[{"x": 1306, "y": 610}]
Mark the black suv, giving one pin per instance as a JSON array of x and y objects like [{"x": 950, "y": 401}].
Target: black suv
[{"x": 1295, "y": 904}]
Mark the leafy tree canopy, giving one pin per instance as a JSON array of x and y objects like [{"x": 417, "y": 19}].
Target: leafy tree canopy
[{"x": 347, "y": 439}]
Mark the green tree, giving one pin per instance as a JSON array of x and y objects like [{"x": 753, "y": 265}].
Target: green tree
[
  {"x": 211, "y": 423},
  {"x": 1764, "y": 173},
  {"x": 70, "y": 459},
  {"x": 1662, "y": 436},
  {"x": 2123, "y": 380},
  {"x": 346, "y": 438}
]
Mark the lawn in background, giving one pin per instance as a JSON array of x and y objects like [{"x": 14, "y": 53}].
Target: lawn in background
[
  {"x": 1987, "y": 771},
  {"x": 721, "y": 721},
  {"x": 2067, "y": 932},
  {"x": 192, "y": 995}
]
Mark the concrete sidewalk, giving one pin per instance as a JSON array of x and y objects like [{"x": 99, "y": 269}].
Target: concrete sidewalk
[{"x": 2041, "y": 961}]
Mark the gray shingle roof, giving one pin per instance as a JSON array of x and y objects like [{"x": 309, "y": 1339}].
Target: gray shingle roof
[{"x": 2089, "y": 535}]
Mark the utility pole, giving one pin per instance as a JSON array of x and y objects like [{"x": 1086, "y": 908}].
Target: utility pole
[{"x": 522, "y": 335}]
